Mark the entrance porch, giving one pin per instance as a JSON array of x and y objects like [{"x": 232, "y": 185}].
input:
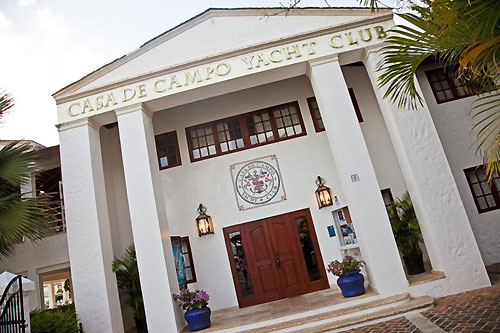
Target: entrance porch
[{"x": 314, "y": 312}]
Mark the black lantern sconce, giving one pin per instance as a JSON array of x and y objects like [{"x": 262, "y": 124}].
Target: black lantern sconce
[
  {"x": 323, "y": 193},
  {"x": 204, "y": 222}
]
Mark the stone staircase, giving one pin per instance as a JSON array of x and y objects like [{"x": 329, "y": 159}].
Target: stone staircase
[{"x": 341, "y": 317}]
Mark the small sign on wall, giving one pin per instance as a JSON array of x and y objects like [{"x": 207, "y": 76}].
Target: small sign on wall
[
  {"x": 331, "y": 231},
  {"x": 257, "y": 182}
]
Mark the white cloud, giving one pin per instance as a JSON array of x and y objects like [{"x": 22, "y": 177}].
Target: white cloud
[
  {"x": 50, "y": 25},
  {"x": 41, "y": 59},
  {"x": 25, "y": 3},
  {"x": 5, "y": 24}
]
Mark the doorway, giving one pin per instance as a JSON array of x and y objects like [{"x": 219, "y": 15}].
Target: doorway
[{"x": 274, "y": 258}]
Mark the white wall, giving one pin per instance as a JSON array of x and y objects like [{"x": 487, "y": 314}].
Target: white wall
[
  {"x": 32, "y": 258},
  {"x": 376, "y": 136},
  {"x": 453, "y": 123},
  {"x": 119, "y": 216},
  {"x": 209, "y": 181},
  {"x": 375, "y": 132}
]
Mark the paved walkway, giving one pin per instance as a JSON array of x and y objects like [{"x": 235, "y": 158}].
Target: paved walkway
[{"x": 474, "y": 311}]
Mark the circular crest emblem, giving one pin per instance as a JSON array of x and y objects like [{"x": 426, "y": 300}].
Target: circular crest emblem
[{"x": 257, "y": 182}]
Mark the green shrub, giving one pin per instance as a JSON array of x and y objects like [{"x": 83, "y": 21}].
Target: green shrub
[{"x": 61, "y": 320}]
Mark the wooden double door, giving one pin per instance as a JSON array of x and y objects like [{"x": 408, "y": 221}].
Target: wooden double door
[{"x": 275, "y": 258}]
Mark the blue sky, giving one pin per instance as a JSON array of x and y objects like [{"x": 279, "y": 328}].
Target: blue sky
[{"x": 47, "y": 44}]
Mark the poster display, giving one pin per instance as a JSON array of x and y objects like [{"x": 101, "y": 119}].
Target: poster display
[
  {"x": 343, "y": 221},
  {"x": 179, "y": 261}
]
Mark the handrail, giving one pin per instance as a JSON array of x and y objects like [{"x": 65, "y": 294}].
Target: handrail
[
  {"x": 12, "y": 307},
  {"x": 5, "y": 292}
]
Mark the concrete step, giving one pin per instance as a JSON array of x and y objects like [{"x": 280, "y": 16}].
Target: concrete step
[
  {"x": 359, "y": 312},
  {"x": 346, "y": 311},
  {"x": 366, "y": 317}
]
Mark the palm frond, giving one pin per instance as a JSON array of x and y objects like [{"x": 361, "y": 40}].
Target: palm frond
[
  {"x": 6, "y": 102},
  {"x": 465, "y": 33},
  {"x": 486, "y": 117},
  {"x": 20, "y": 216},
  {"x": 17, "y": 163}
]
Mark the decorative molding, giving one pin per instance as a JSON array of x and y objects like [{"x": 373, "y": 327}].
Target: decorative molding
[
  {"x": 368, "y": 50},
  {"x": 78, "y": 123},
  {"x": 58, "y": 96},
  {"x": 320, "y": 61},
  {"x": 133, "y": 108}
]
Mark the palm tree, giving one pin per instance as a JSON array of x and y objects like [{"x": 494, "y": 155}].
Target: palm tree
[
  {"x": 20, "y": 216},
  {"x": 464, "y": 36}
]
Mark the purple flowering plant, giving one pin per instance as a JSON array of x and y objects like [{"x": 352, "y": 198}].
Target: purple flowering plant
[
  {"x": 189, "y": 300},
  {"x": 348, "y": 264}
]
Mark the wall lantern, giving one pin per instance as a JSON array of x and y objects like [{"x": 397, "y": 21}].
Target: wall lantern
[
  {"x": 204, "y": 222},
  {"x": 323, "y": 193}
]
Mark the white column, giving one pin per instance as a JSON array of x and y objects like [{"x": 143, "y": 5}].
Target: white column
[
  {"x": 88, "y": 231},
  {"x": 149, "y": 220},
  {"x": 444, "y": 223},
  {"x": 351, "y": 157}
]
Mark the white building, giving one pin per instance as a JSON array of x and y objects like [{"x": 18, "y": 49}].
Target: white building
[{"x": 179, "y": 121}]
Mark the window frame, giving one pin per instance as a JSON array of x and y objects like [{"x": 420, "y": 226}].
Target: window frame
[
  {"x": 494, "y": 191},
  {"x": 190, "y": 255},
  {"x": 451, "y": 83},
  {"x": 391, "y": 199},
  {"x": 313, "y": 116},
  {"x": 244, "y": 131},
  {"x": 354, "y": 102},
  {"x": 178, "y": 152}
]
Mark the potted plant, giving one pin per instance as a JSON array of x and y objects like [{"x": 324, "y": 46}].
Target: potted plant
[
  {"x": 406, "y": 231},
  {"x": 350, "y": 281},
  {"x": 195, "y": 304},
  {"x": 127, "y": 276}
]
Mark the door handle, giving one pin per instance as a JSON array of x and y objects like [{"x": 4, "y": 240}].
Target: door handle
[{"x": 277, "y": 259}]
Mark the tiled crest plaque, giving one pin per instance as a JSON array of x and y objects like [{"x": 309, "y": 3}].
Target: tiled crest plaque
[{"x": 257, "y": 182}]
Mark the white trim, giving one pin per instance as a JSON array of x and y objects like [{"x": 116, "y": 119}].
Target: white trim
[
  {"x": 133, "y": 108},
  {"x": 77, "y": 123},
  {"x": 65, "y": 95}
]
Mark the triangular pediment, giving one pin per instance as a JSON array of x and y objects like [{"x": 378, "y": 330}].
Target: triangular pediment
[{"x": 217, "y": 32}]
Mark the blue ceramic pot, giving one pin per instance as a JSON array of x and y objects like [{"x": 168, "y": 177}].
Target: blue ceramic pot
[
  {"x": 198, "y": 319},
  {"x": 351, "y": 284}
]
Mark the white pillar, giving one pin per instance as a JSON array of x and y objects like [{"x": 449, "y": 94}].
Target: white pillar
[
  {"x": 444, "y": 223},
  {"x": 351, "y": 157},
  {"x": 88, "y": 231},
  {"x": 149, "y": 220}
]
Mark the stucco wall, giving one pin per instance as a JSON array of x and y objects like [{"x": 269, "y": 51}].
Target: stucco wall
[
  {"x": 32, "y": 258},
  {"x": 453, "y": 123},
  {"x": 375, "y": 132},
  {"x": 209, "y": 181}
]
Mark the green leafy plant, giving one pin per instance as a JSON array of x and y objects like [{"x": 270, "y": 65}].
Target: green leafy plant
[
  {"x": 405, "y": 226},
  {"x": 61, "y": 319},
  {"x": 20, "y": 216},
  {"x": 127, "y": 276},
  {"x": 463, "y": 36}
]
